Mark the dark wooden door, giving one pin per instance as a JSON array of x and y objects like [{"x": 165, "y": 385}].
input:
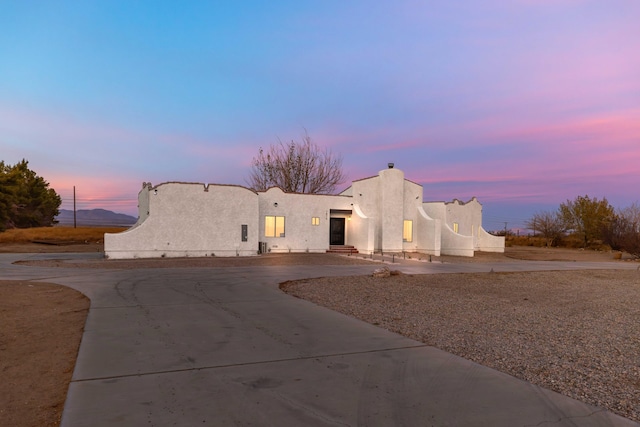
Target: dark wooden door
[{"x": 337, "y": 231}]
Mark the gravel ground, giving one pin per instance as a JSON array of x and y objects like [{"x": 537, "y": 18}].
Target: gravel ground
[{"x": 573, "y": 332}]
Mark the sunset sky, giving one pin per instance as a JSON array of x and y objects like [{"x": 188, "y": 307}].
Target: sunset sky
[{"x": 521, "y": 103}]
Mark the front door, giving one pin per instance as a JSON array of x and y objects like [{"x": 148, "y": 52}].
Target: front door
[{"x": 337, "y": 231}]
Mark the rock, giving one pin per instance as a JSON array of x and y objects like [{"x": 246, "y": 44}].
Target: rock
[{"x": 382, "y": 272}]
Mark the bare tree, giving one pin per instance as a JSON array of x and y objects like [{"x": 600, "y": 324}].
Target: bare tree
[
  {"x": 296, "y": 168},
  {"x": 632, "y": 214},
  {"x": 549, "y": 225},
  {"x": 623, "y": 232}
]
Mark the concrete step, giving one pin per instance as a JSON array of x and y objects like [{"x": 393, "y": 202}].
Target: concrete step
[{"x": 342, "y": 249}]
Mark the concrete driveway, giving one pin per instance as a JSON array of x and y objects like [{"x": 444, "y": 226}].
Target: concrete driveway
[{"x": 224, "y": 347}]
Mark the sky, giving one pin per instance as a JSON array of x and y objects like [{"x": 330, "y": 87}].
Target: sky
[{"x": 524, "y": 104}]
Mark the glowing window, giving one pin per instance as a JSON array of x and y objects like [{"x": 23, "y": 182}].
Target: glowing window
[
  {"x": 455, "y": 227},
  {"x": 273, "y": 226},
  {"x": 407, "y": 231},
  {"x": 315, "y": 221}
]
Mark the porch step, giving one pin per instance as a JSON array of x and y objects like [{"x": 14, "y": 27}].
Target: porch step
[{"x": 342, "y": 249}]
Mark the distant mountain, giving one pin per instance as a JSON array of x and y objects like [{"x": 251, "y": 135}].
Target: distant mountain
[{"x": 95, "y": 218}]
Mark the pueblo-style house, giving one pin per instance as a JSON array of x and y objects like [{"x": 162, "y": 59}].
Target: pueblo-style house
[{"x": 383, "y": 213}]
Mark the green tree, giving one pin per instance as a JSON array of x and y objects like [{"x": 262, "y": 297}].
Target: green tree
[
  {"x": 587, "y": 217},
  {"x": 25, "y": 198},
  {"x": 7, "y": 195},
  {"x": 296, "y": 168}
]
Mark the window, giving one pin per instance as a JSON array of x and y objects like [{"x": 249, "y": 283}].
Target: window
[
  {"x": 455, "y": 227},
  {"x": 407, "y": 231},
  {"x": 273, "y": 226},
  {"x": 315, "y": 221}
]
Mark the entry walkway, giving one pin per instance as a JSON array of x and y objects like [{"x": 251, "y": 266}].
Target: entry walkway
[{"x": 224, "y": 347}]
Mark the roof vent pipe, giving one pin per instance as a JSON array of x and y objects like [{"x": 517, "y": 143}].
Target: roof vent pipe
[{"x": 390, "y": 165}]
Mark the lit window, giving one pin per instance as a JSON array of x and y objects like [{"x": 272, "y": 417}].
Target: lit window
[
  {"x": 407, "y": 231},
  {"x": 315, "y": 221},
  {"x": 273, "y": 226},
  {"x": 455, "y": 227}
]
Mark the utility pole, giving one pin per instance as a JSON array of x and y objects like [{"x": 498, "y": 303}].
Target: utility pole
[
  {"x": 74, "y": 206},
  {"x": 505, "y": 229}
]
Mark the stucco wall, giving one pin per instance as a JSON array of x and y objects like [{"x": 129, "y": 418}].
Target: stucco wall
[
  {"x": 467, "y": 215},
  {"x": 490, "y": 243},
  {"x": 387, "y": 200},
  {"x": 428, "y": 233},
  {"x": 298, "y": 210},
  {"x": 455, "y": 244},
  {"x": 187, "y": 219},
  {"x": 435, "y": 210},
  {"x": 412, "y": 203},
  {"x": 392, "y": 207},
  {"x": 361, "y": 231},
  {"x": 366, "y": 196},
  {"x": 143, "y": 203}
]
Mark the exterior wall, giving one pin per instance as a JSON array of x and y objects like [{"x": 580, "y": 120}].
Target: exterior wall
[
  {"x": 429, "y": 234},
  {"x": 455, "y": 244},
  {"x": 463, "y": 242},
  {"x": 362, "y": 231},
  {"x": 366, "y": 200},
  {"x": 392, "y": 209},
  {"x": 298, "y": 209},
  {"x": 489, "y": 243},
  {"x": 143, "y": 202},
  {"x": 435, "y": 210},
  {"x": 412, "y": 202},
  {"x": 190, "y": 220},
  {"x": 186, "y": 219},
  {"x": 468, "y": 216},
  {"x": 388, "y": 200}
]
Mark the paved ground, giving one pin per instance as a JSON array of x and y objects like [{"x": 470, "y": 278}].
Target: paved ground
[{"x": 223, "y": 346}]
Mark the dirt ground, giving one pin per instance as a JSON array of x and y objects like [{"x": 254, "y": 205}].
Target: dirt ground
[{"x": 41, "y": 324}]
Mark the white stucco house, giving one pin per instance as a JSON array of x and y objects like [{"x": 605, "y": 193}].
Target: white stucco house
[{"x": 383, "y": 213}]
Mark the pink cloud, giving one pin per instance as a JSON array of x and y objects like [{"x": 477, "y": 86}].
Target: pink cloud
[
  {"x": 597, "y": 155},
  {"x": 119, "y": 194},
  {"x": 619, "y": 132}
]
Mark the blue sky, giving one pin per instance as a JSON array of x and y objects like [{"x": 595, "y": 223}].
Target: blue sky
[{"x": 523, "y": 104}]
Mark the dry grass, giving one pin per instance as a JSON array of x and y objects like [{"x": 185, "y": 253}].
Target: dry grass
[
  {"x": 570, "y": 242},
  {"x": 59, "y": 234}
]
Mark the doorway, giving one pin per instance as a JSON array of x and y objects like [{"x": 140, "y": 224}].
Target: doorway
[{"x": 336, "y": 226}]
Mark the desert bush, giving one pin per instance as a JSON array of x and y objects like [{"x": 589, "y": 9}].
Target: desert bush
[{"x": 525, "y": 241}]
